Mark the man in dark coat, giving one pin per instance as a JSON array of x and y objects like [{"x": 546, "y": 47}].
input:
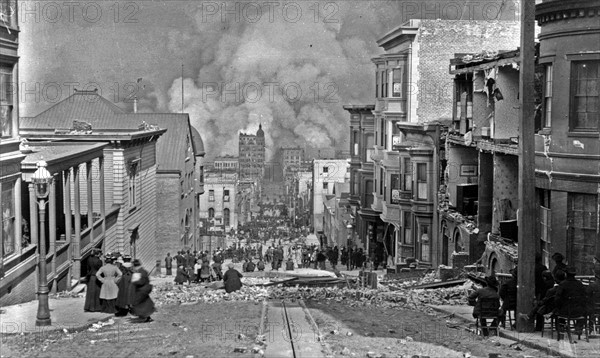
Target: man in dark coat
[
  {"x": 571, "y": 298},
  {"x": 143, "y": 306},
  {"x": 92, "y": 292},
  {"x": 508, "y": 294},
  {"x": 489, "y": 291},
  {"x": 231, "y": 279},
  {"x": 559, "y": 264},
  {"x": 169, "y": 264}
]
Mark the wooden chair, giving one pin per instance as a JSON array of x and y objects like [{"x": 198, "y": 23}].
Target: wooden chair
[
  {"x": 594, "y": 318},
  {"x": 569, "y": 321},
  {"x": 488, "y": 310},
  {"x": 549, "y": 319},
  {"x": 512, "y": 308}
]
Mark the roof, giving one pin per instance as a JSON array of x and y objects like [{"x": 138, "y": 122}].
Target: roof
[
  {"x": 59, "y": 155},
  {"x": 172, "y": 147},
  {"x": 197, "y": 141}
]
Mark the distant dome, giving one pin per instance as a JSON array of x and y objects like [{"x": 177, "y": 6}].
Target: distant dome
[
  {"x": 260, "y": 132},
  {"x": 198, "y": 144}
]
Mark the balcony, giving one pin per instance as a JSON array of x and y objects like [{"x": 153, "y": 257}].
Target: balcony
[
  {"x": 391, "y": 105},
  {"x": 376, "y": 154},
  {"x": 377, "y": 203},
  {"x": 391, "y": 212},
  {"x": 391, "y": 159}
]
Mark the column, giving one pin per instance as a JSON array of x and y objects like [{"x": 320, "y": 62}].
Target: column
[
  {"x": 18, "y": 216},
  {"x": 52, "y": 228},
  {"x": 77, "y": 213},
  {"x": 33, "y": 222},
  {"x": 102, "y": 202},
  {"x": 68, "y": 221},
  {"x": 90, "y": 199}
]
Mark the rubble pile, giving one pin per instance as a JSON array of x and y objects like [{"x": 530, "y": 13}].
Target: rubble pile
[
  {"x": 65, "y": 294},
  {"x": 389, "y": 295}
]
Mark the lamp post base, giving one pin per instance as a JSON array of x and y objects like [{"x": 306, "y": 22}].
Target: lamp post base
[{"x": 43, "y": 322}]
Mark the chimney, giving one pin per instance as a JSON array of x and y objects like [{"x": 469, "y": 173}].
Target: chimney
[{"x": 135, "y": 104}]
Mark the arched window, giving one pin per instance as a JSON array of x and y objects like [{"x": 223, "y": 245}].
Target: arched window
[
  {"x": 211, "y": 213},
  {"x": 226, "y": 216}
]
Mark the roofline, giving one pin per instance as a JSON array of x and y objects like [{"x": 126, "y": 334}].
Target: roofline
[{"x": 93, "y": 137}]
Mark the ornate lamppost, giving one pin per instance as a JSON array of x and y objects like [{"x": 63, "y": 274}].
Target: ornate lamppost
[{"x": 42, "y": 179}]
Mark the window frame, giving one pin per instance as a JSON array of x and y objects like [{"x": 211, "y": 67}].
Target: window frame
[
  {"x": 547, "y": 95},
  {"x": 573, "y": 117}
]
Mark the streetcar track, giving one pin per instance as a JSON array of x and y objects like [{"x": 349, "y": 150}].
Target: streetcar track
[{"x": 286, "y": 319}]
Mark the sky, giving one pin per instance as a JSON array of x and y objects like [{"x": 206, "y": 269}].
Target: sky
[{"x": 290, "y": 65}]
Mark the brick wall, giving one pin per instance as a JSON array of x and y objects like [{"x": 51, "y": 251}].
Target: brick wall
[
  {"x": 167, "y": 231},
  {"x": 439, "y": 41}
]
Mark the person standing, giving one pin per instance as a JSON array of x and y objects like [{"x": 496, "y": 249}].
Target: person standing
[
  {"x": 231, "y": 279},
  {"x": 169, "y": 264},
  {"x": 109, "y": 275},
  {"x": 181, "y": 275},
  {"x": 143, "y": 306},
  {"x": 124, "y": 295},
  {"x": 92, "y": 291}
]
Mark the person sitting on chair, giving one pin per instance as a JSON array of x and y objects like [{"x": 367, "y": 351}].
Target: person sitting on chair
[
  {"x": 508, "y": 294},
  {"x": 546, "y": 304},
  {"x": 489, "y": 291},
  {"x": 570, "y": 299}
]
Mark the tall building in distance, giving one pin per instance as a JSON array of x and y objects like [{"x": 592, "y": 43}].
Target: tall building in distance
[{"x": 252, "y": 154}]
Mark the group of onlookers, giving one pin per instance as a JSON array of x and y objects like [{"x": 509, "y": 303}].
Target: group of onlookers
[
  {"x": 196, "y": 266},
  {"x": 558, "y": 293},
  {"x": 118, "y": 285}
]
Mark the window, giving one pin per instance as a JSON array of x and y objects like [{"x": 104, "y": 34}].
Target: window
[
  {"x": 397, "y": 82},
  {"x": 394, "y": 189},
  {"x": 226, "y": 195},
  {"x": 422, "y": 181},
  {"x": 355, "y": 142},
  {"x": 325, "y": 186},
  {"x": 381, "y": 181},
  {"x": 7, "y": 205},
  {"x": 425, "y": 242},
  {"x": 325, "y": 169},
  {"x": 407, "y": 182},
  {"x": 548, "y": 96},
  {"x": 6, "y": 100},
  {"x": 134, "y": 177},
  {"x": 211, "y": 213},
  {"x": 584, "y": 96},
  {"x": 376, "y": 84},
  {"x": 581, "y": 231},
  {"x": 226, "y": 217},
  {"x": 382, "y": 132},
  {"x": 407, "y": 228},
  {"x": 545, "y": 214},
  {"x": 211, "y": 195}
]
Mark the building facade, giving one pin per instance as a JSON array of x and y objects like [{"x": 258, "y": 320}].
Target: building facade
[
  {"x": 362, "y": 134},
  {"x": 218, "y": 205},
  {"x": 252, "y": 154},
  {"x": 326, "y": 172},
  {"x": 566, "y": 145},
  {"x": 413, "y": 86}
]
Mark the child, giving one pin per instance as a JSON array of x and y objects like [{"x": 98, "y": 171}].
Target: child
[{"x": 181, "y": 276}]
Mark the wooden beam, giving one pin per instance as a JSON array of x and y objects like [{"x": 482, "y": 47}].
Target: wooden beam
[{"x": 527, "y": 203}]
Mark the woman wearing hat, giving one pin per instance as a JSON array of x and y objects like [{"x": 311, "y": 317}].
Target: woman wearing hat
[
  {"x": 143, "y": 306},
  {"x": 109, "y": 275},
  {"x": 92, "y": 291}
]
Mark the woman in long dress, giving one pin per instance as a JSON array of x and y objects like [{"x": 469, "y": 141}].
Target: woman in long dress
[
  {"x": 92, "y": 291},
  {"x": 143, "y": 306},
  {"x": 109, "y": 275}
]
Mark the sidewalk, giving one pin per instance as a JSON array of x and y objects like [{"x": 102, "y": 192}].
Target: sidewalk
[
  {"x": 550, "y": 346},
  {"x": 65, "y": 313}
]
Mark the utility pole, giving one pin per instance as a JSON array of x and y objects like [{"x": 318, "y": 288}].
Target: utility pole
[{"x": 527, "y": 204}]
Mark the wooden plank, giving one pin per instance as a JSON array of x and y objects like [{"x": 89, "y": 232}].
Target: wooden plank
[{"x": 439, "y": 284}]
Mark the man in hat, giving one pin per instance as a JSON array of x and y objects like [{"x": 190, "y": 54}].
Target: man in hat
[
  {"x": 231, "y": 279},
  {"x": 559, "y": 264},
  {"x": 169, "y": 264},
  {"x": 142, "y": 305},
  {"x": 490, "y": 290},
  {"x": 571, "y": 298}
]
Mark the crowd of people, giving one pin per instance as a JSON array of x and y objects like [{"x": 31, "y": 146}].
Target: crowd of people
[
  {"x": 558, "y": 294},
  {"x": 118, "y": 285}
]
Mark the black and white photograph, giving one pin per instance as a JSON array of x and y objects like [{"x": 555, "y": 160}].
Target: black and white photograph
[{"x": 300, "y": 178}]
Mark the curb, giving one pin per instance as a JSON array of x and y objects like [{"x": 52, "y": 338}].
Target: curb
[{"x": 502, "y": 333}]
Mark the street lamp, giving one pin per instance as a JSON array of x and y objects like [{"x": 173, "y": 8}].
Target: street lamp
[{"x": 42, "y": 179}]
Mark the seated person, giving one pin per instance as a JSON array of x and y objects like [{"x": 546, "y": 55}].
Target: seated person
[
  {"x": 508, "y": 294},
  {"x": 490, "y": 290},
  {"x": 546, "y": 305},
  {"x": 260, "y": 265},
  {"x": 593, "y": 290},
  {"x": 250, "y": 266},
  {"x": 571, "y": 298}
]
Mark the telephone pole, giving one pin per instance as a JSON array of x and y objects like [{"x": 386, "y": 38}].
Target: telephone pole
[{"x": 527, "y": 247}]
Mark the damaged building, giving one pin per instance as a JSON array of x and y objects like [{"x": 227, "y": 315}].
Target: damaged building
[{"x": 478, "y": 211}]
